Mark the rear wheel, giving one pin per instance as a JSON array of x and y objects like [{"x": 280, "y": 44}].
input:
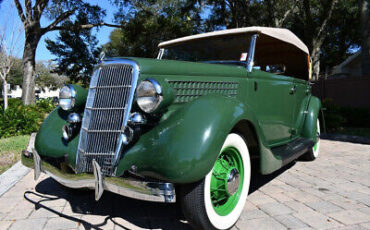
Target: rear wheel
[
  {"x": 313, "y": 153},
  {"x": 217, "y": 201}
]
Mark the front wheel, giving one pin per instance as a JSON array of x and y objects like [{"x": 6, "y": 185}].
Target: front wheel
[{"x": 217, "y": 201}]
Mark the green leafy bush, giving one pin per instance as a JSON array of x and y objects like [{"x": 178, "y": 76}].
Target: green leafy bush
[
  {"x": 338, "y": 117},
  {"x": 20, "y": 120}
]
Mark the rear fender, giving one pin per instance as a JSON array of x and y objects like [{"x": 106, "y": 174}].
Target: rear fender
[{"x": 309, "y": 127}]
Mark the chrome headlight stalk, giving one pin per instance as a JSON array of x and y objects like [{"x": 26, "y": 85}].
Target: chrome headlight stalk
[
  {"x": 67, "y": 97},
  {"x": 149, "y": 95}
]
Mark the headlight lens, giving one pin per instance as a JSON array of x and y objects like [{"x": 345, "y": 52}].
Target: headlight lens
[
  {"x": 67, "y": 97},
  {"x": 149, "y": 95}
]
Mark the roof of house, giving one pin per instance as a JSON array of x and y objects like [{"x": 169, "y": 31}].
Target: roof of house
[{"x": 279, "y": 34}]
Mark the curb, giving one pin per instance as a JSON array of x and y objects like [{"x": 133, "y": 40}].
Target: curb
[{"x": 11, "y": 176}]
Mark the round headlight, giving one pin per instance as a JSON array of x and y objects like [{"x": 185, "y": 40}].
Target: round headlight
[
  {"x": 149, "y": 95},
  {"x": 67, "y": 97}
]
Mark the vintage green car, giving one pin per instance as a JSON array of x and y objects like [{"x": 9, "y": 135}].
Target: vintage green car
[{"x": 187, "y": 125}]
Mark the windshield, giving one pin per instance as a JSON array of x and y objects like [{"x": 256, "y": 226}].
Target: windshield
[{"x": 225, "y": 48}]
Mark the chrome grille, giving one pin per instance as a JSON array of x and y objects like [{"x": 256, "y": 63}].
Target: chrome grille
[{"x": 107, "y": 109}]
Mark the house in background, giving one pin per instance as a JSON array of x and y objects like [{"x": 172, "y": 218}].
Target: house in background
[
  {"x": 351, "y": 67},
  {"x": 40, "y": 93}
]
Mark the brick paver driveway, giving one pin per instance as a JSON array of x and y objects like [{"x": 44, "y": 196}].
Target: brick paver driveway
[{"x": 331, "y": 192}]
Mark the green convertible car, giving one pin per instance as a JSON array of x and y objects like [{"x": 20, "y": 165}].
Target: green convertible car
[{"x": 185, "y": 126}]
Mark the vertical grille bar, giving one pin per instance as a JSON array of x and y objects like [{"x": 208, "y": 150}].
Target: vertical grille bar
[{"x": 106, "y": 113}]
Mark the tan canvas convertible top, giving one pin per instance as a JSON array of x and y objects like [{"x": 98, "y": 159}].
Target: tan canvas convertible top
[
  {"x": 284, "y": 35},
  {"x": 274, "y": 46}
]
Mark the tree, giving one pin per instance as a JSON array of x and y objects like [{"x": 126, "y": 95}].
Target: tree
[
  {"x": 149, "y": 22},
  {"x": 9, "y": 38},
  {"x": 343, "y": 34},
  {"x": 235, "y": 14},
  {"x": 365, "y": 39},
  {"x": 57, "y": 11},
  {"x": 76, "y": 51},
  {"x": 45, "y": 78}
]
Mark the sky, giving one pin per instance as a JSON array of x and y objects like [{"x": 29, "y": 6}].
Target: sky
[{"x": 9, "y": 19}]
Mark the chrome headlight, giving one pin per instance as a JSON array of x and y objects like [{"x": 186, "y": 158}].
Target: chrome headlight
[
  {"x": 67, "y": 97},
  {"x": 149, "y": 95}
]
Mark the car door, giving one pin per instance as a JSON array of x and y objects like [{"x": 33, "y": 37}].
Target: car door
[
  {"x": 301, "y": 97},
  {"x": 271, "y": 98}
]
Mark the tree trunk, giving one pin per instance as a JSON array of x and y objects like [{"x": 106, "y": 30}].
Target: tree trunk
[
  {"x": 365, "y": 39},
  {"x": 5, "y": 93},
  {"x": 29, "y": 66},
  {"x": 315, "y": 55}
]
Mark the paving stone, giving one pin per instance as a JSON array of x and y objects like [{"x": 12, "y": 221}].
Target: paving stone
[
  {"x": 350, "y": 217},
  {"x": 259, "y": 198},
  {"x": 365, "y": 225},
  {"x": 60, "y": 202},
  {"x": 28, "y": 224},
  {"x": 281, "y": 197},
  {"x": 291, "y": 222},
  {"x": 297, "y": 206},
  {"x": 323, "y": 206},
  {"x": 16, "y": 214},
  {"x": 61, "y": 223},
  {"x": 249, "y": 206},
  {"x": 7, "y": 204},
  {"x": 275, "y": 209},
  {"x": 42, "y": 212},
  {"x": 260, "y": 223},
  {"x": 4, "y": 224},
  {"x": 303, "y": 196},
  {"x": 252, "y": 214},
  {"x": 317, "y": 220},
  {"x": 365, "y": 210}
]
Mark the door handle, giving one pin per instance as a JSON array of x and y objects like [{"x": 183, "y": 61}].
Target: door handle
[{"x": 293, "y": 89}]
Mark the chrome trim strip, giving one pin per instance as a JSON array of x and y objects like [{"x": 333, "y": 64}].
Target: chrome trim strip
[
  {"x": 140, "y": 190},
  {"x": 252, "y": 48}
]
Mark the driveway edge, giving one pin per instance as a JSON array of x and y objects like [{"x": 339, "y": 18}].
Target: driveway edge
[{"x": 11, "y": 176}]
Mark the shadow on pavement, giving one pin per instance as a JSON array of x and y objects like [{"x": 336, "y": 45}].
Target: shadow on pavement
[{"x": 140, "y": 213}]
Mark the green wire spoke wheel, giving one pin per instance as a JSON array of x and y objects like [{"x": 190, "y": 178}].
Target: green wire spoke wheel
[{"x": 217, "y": 201}]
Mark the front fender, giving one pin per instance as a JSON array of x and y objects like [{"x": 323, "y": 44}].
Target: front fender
[
  {"x": 309, "y": 127},
  {"x": 184, "y": 147}
]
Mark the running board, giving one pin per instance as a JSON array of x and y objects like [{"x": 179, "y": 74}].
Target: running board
[{"x": 289, "y": 152}]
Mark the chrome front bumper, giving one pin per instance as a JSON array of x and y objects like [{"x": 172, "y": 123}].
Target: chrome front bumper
[{"x": 137, "y": 189}]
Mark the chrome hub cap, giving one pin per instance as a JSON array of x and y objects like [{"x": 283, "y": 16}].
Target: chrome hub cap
[{"x": 233, "y": 181}]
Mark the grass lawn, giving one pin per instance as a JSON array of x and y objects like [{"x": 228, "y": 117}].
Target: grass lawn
[{"x": 10, "y": 150}]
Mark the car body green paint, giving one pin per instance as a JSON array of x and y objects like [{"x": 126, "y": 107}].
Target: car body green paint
[{"x": 183, "y": 146}]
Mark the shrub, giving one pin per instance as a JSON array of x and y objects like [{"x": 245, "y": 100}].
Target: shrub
[
  {"x": 20, "y": 120},
  {"x": 337, "y": 117}
]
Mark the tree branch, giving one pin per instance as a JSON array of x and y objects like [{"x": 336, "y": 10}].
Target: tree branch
[
  {"x": 287, "y": 13},
  {"x": 27, "y": 4},
  {"x": 39, "y": 8},
  {"x": 59, "y": 19},
  {"x": 20, "y": 11},
  {"x": 325, "y": 22},
  {"x": 84, "y": 26}
]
